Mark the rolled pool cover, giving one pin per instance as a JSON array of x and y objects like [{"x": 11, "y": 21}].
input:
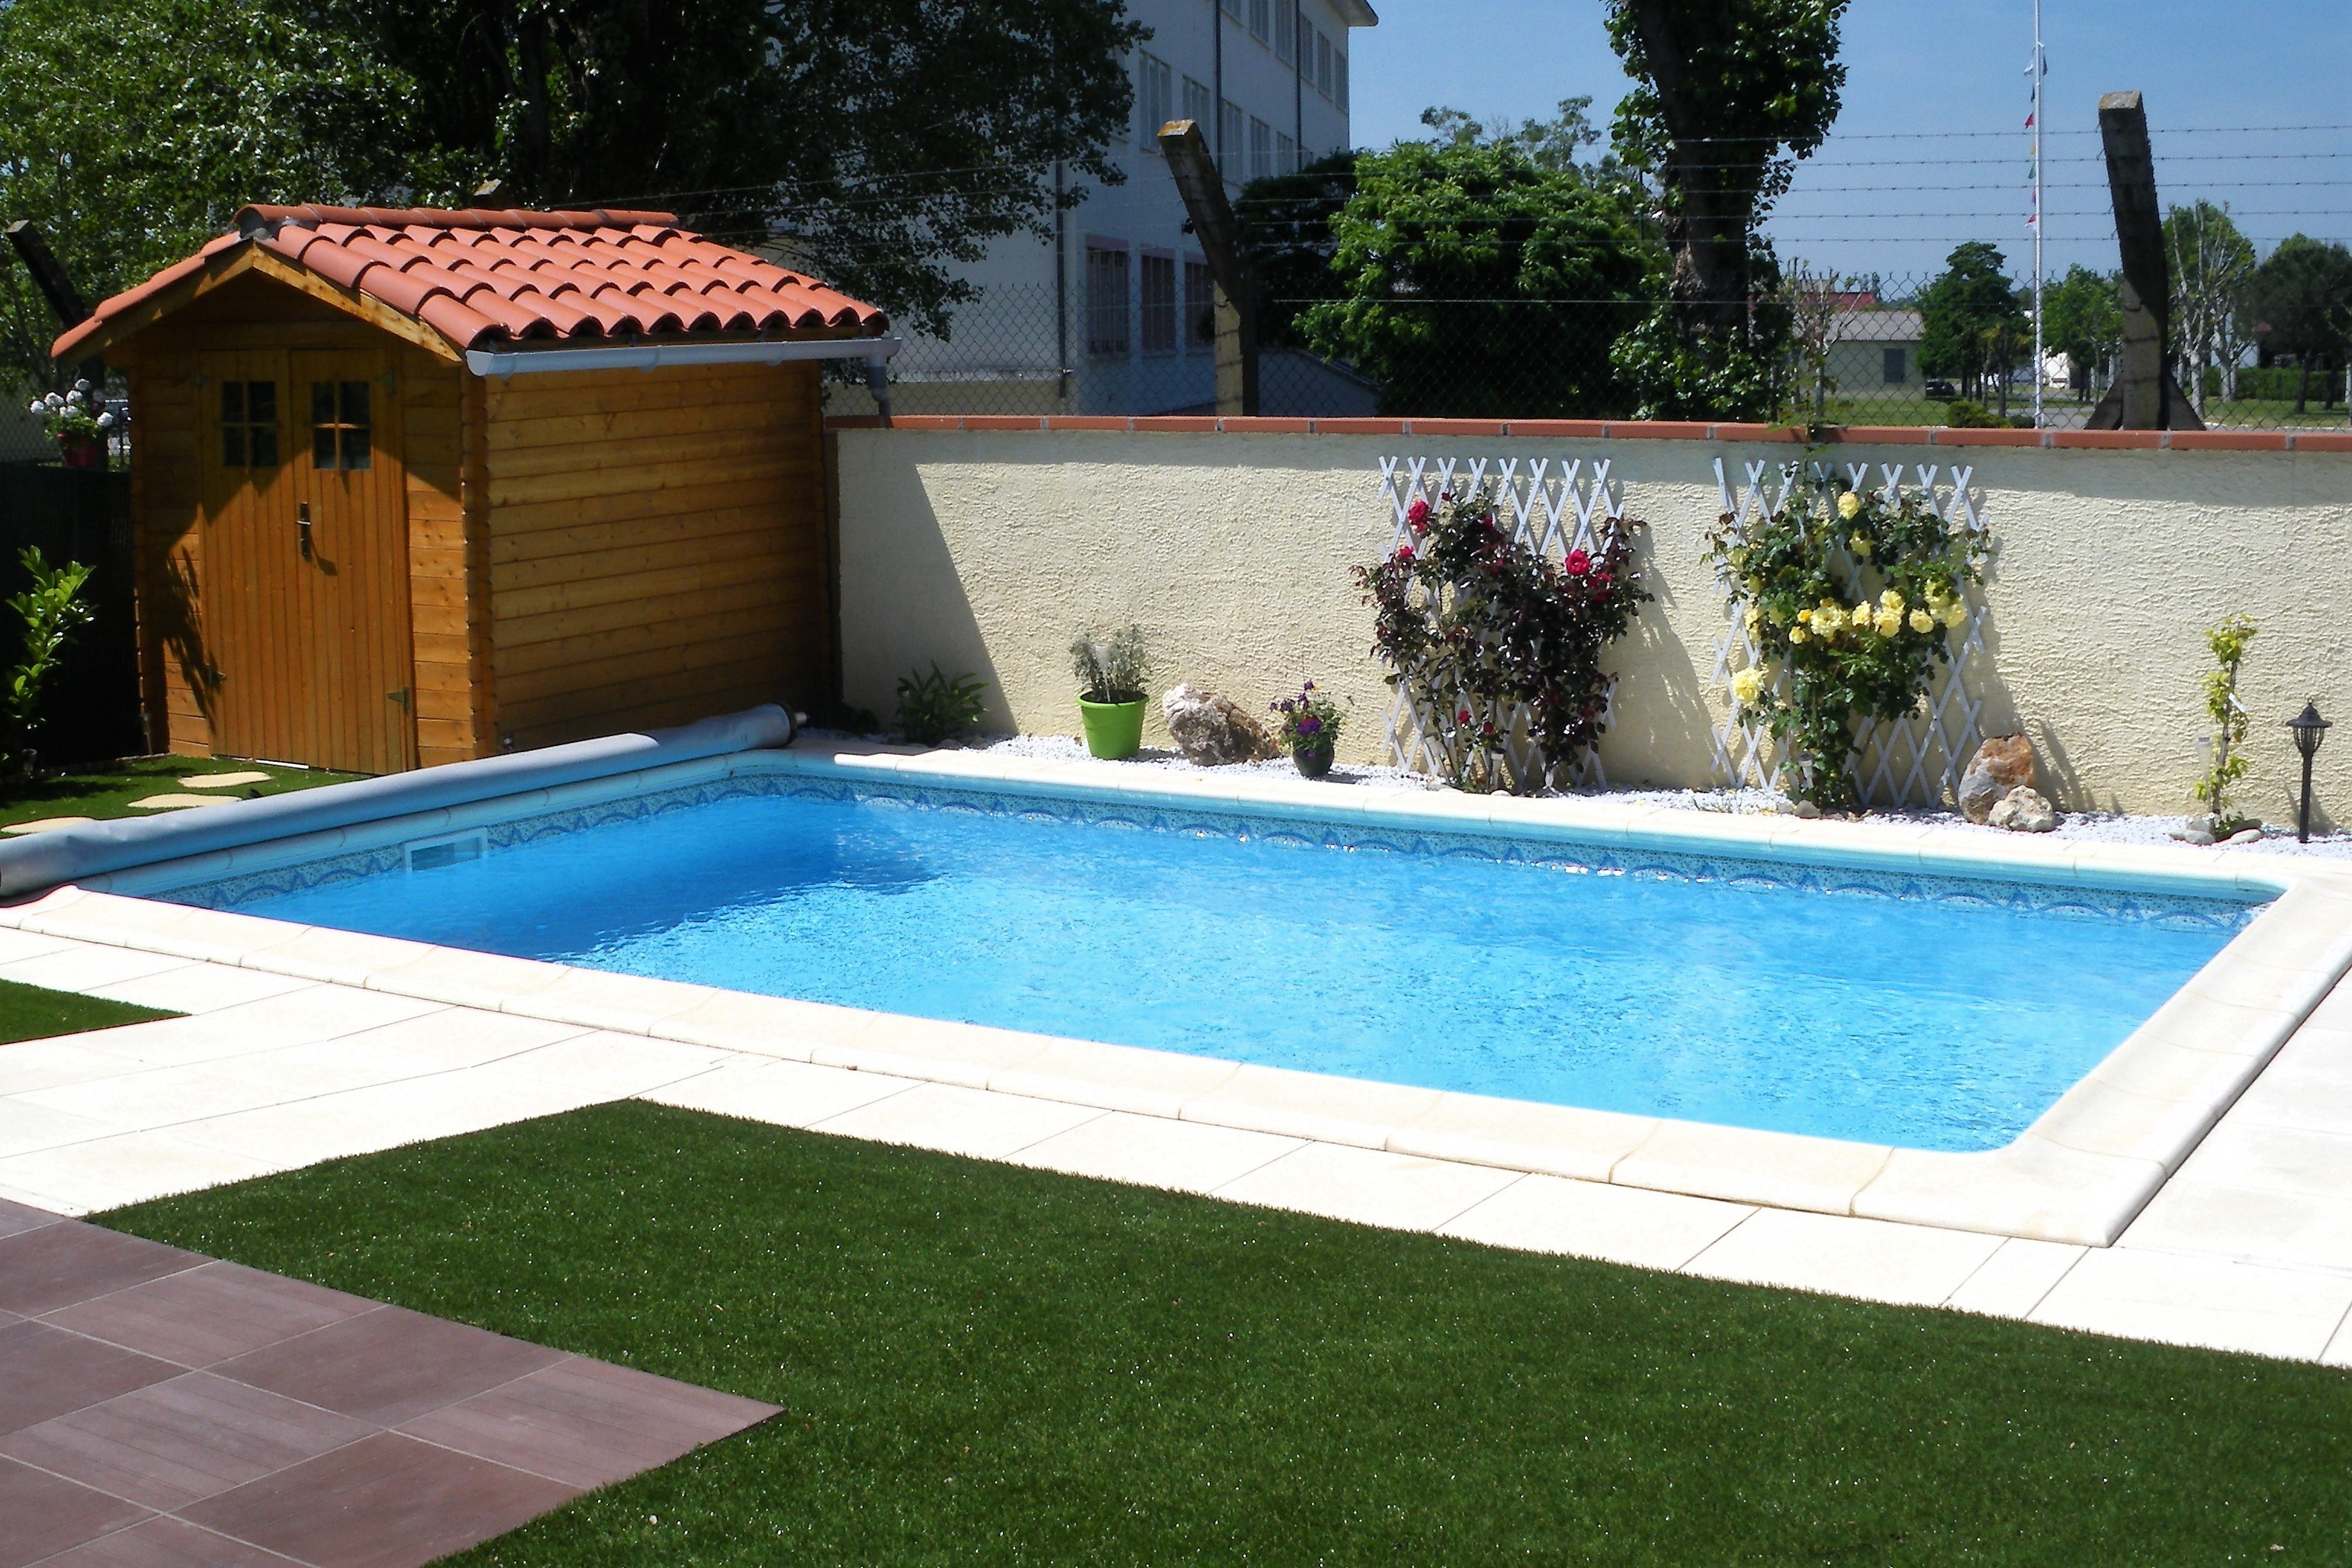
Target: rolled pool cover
[{"x": 41, "y": 860}]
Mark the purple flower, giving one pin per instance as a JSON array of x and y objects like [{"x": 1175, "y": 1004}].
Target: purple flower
[{"x": 1309, "y": 724}]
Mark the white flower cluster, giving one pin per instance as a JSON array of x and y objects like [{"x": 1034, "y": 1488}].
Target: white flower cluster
[{"x": 81, "y": 400}]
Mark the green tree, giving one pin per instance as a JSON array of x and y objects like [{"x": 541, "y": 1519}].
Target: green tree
[
  {"x": 1284, "y": 221},
  {"x": 1479, "y": 276},
  {"x": 880, "y": 140},
  {"x": 2082, "y": 318},
  {"x": 132, "y": 132},
  {"x": 2301, "y": 299},
  {"x": 2213, "y": 265},
  {"x": 1729, "y": 95},
  {"x": 1966, "y": 313}
]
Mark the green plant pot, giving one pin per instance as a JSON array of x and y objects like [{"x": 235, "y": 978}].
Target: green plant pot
[
  {"x": 1114, "y": 730},
  {"x": 1313, "y": 761}
]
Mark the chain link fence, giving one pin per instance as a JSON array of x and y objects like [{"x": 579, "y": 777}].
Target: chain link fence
[{"x": 1880, "y": 351}]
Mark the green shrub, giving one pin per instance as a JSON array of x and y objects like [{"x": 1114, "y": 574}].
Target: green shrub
[
  {"x": 51, "y": 609},
  {"x": 934, "y": 707}
]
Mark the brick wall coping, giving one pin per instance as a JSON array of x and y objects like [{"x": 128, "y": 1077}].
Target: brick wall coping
[{"x": 1630, "y": 430}]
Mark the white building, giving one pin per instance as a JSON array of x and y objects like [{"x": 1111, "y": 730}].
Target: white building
[{"x": 1110, "y": 315}]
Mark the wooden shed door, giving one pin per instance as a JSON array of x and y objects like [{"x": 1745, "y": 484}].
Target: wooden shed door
[{"x": 306, "y": 591}]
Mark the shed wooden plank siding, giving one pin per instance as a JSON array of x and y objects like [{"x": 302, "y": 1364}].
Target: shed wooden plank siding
[
  {"x": 452, "y": 673},
  {"x": 655, "y": 546},
  {"x": 168, "y": 552}
]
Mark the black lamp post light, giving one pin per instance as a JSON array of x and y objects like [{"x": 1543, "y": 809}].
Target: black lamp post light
[{"x": 2309, "y": 730}]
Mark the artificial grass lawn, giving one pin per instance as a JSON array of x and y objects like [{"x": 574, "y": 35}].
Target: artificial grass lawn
[
  {"x": 984, "y": 1364},
  {"x": 106, "y": 790},
  {"x": 36, "y": 1012}
]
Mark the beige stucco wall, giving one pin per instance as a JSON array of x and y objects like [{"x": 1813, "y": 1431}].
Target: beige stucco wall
[{"x": 989, "y": 551}]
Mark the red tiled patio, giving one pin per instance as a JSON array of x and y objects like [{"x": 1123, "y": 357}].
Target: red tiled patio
[{"x": 161, "y": 1408}]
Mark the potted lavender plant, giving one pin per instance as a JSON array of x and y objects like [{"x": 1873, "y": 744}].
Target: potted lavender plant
[{"x": 1310, "y": 728}]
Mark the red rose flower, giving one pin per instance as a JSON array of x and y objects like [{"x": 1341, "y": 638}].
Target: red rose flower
[
  {"x": 1417, "y": 515},
  {"x": 1404, "y": 553},
  {"x": 1579, "y": 562}
]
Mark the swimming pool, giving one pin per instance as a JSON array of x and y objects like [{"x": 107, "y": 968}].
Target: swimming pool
[{"x": 1923, "y": 1013}]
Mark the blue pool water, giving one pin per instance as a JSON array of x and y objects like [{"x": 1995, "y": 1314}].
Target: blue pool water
[{"x": 1941, "y": 1018}]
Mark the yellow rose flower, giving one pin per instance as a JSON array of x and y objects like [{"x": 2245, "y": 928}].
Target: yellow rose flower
[
  {"x": 1860, "y": 545},
  {"x": 1798, "y": 634},
  {"x": 1747, "y": 685},
  {"x": 1921, "y": 621},
  {"x": 1957, "y": 616},
  {"x": 1827, "y": 619},
  {"x": 1753, "y": 615},
  {"x": 1890, "y": 600},
  {"x": 1849, "y": 504},
  {"x": 1803, "y": 616},
  {"x": 1754, "y": 584},
  {"x": 1864, "y": 614},
  {"x": 1887, "y": 622}
]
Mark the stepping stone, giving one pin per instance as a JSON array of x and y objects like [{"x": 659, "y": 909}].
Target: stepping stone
[
  {"x": 174, "y": 802},
  {"x": 48, "y": 825},
  {"x": 223, "y": 780}
]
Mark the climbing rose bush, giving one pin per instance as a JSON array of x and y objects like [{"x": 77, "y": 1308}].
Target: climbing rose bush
[
  {"x": 1852, "y": 601},
  {"x": 1490, "y": 638}
]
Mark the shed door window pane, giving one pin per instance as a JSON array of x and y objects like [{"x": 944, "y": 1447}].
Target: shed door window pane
[
  {"x": 342, "y": 434},
  {"x": 1107, "y": 335},
  {"x": 1891, "y": 366},
  {"x": 1156, "y": 280},
  {"x": 249, "y": 423},
  {"x": 1200, "y": 308}
]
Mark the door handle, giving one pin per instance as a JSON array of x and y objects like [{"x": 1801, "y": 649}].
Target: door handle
[{"x": 302, "y": 522}]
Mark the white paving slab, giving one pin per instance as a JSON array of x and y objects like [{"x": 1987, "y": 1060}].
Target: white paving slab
[
  {"x": 2136, "y": 1293},
  {"x": 1593, "y": 1220},
  {"x": 958, "y": 1121},
  {"x": 1369, "y": 1186},
  {"x": 784, "y": 1093},
  {"x": 200, "y": 988},
  {"x": 1869, "y": 1259},
  {"x": 129, "y": 1168},
  {"x": 2013, "y": 1282},
  {"x": 1155, "y": 1152}
]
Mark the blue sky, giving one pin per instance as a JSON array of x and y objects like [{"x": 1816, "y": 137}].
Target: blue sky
[{"x": 1935, "y": 100}]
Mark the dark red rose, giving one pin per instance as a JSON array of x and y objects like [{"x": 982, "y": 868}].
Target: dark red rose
[{"x": 1579, "y": 562}]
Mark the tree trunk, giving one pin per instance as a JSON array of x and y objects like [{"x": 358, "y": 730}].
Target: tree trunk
[
  {"x": 1708, "y": 280},
  {"x": 2303, "y": 386}
]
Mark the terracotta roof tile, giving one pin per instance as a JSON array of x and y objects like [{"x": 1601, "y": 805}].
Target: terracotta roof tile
[{"x": 480, "y": 277}]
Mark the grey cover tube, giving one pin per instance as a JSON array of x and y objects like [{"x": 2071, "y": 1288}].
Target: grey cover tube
[{"x": 45, "y": 859}]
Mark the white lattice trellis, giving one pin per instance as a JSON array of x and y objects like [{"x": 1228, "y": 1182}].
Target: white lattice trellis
[
  {"x": 1919, "y": 761},
  {"x": 1554, "y": 506}
]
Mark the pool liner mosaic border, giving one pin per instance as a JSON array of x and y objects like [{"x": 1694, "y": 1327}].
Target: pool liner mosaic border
[
  {"x": 2080, "y": 1174},
  {"x": 2229, "y": 912}
]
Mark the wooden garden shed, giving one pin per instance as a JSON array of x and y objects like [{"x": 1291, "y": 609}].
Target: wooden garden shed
[{"x": 416, "y": 486}]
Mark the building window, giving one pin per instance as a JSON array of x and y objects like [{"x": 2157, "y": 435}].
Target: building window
[
  {"x": 1233, "y": 148},
  {"x": 1323, "y": 64},
  {"x": 1198, "y": 109},
  {"x": 1261, "y": 164},
  {"x": 1154, "y": 95},
  {"x": 1892, "y": 365},
  {"x": 1339, "y": 81},
  {"x": 1286, "y": 155},
  {"x": 1106, "y": 301},
  {"x": 249, "y": 425},
  {"x": 1200, "y": 307},
  {"x": 1155, "y": 279},
  {"x": 339, "y": 433},
  {"x": 1286, "y": 31},
  {"x": 1231, "y": 8}
]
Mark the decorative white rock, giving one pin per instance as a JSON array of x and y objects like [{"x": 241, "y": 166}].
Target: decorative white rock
[
  {"x": 1211, "y": 730},
  {"x": 2023, "y": 810}
]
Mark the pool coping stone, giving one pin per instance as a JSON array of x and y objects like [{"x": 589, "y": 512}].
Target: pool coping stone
[{"x": 2079, "y": 1175}]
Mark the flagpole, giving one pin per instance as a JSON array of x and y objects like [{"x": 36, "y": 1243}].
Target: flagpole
[{"x": 2040, "y": 376}]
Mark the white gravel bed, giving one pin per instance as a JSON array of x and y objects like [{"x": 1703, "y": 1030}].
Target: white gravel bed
[{"x": 2088, "y": 827}]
